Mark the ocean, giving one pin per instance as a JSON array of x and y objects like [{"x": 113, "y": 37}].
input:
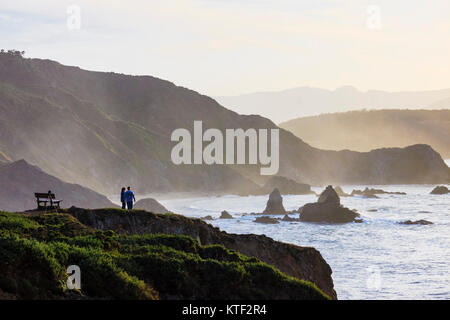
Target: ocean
[{"x": 377, "y": 259}]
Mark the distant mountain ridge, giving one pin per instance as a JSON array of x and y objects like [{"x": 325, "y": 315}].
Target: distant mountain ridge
[
  {"x": 367, "y": 130},
  {"x": 20, "y": 180},
  {"x": 281, "y": 106},
  {"x": 107, "y": 130}
]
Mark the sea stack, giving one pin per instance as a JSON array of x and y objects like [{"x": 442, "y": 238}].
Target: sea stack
[
  {"x": 329, "y": 195},
  {"x": 225, "y": 215},
  {"x": 440, "y": 190},
  {"x": 275, "y": 203},
  {"x": 341, "y": 192},
  {"x": 328, "y": 209}
]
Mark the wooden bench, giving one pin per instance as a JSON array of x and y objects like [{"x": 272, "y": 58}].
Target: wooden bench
[{"x": 47, "y": 201}]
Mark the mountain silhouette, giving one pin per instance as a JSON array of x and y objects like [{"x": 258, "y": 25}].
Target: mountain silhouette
[{"x": 106, "y": 130}]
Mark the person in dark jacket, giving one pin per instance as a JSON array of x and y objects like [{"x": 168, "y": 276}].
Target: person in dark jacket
[
  {"x": 122, "y": 197},
  {"x": 129, "y": 198}
]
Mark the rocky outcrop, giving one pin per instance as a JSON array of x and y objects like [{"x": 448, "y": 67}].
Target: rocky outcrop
[
  {"x": 225, "y": 215},
  {"x": 266, "y": 220},
  {"x": 209, "y": 218},
  {"x": 329, "y": 195},
  {"x": 327, "y": 209},
  {"x": 341, "y": 192},
  {"x": 150, "y": 205},
  {"x": 372, "y": 193},
  {"x": 275, "y": 203},
  {"x": 421, "y": 222},
  {"x": 440, "y": 190},
  {"x": 287, "y": 218},
  {"x": 286, "y": 186},
  {"x": 301, "y": 262}
]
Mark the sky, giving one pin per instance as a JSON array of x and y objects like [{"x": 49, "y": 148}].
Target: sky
[{"x": 232, "y": 47}]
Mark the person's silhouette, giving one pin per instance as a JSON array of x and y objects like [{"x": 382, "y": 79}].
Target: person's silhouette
[{"x": 129, "y": 198}]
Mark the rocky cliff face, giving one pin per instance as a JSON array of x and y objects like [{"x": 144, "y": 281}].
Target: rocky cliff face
[{"x": 300, "y": 262}]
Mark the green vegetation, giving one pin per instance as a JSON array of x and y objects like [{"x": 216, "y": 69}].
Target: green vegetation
[{"x": 36, "y": 249}]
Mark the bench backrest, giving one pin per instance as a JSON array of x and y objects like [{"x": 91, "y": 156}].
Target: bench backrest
[{"x": 45, "y": 195}]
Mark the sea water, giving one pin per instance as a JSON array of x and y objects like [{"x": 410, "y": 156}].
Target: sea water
[{"x": 377, "y": 259}]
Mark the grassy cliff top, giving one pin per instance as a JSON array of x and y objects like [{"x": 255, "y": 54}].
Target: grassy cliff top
[{"x": 36, "y": 249}]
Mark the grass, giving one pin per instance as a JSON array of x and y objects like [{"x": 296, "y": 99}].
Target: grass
[{"x": 36, "y": 249}]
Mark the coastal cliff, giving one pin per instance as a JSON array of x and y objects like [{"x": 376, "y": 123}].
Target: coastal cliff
[
  {"x": 36, "y": 248},
  {"x": 300, "y": 262}
]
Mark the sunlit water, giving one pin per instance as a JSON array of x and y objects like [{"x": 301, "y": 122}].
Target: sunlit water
[{"x": 376, "y": 259}]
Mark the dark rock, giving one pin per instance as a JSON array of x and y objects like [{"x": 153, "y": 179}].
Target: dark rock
[
  {"x": 329, "y": 196},
  {"x": 275, "y": 203},
  {"x": 440, "y": 190},
  {"x": 327, "y": 212},
  {"x": 421, "y": 222},
  {"x": 341, "y": 192},
  {"x": 150, "y": 205},
  {"x": 286, "y": 186},
  {"x": 287, "y": 218},
  {"x": 225, "y": 215},
  {"x": 327, "y": 209},
  {"x": 301, "y": 262},
  {"x": 371, "y": 193},
  {"x": 207, "y": 218},
  {"x": 372, "y": 210},
  {"x": 266, "y": 220},
  {"x": 358, "y": 221}
]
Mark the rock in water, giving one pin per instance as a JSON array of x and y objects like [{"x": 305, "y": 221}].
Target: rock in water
[
  {"x": 372, "y": 193},
  {"x": 329, "y": 195},
  {"x": 150, "y": 205},
  {"x": 327, "y": 209},
  {"x": 421, "y": 222},
  {"x": 440, "y": 190},
  {"x": 341, "y": 192},
  {"x": 275, "y": 203},
  {"x": 266, "y": 220},
  {"x": 225, "y": 215},
  {"x": 287, "y": 218}
]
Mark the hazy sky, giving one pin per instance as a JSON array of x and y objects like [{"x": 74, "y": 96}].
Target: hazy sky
[{"x": 228, "y": 47}]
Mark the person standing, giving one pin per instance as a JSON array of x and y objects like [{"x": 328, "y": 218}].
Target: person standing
[
  {"x": 129, "y": 197},
  {"x": 122, "y": 197}
]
